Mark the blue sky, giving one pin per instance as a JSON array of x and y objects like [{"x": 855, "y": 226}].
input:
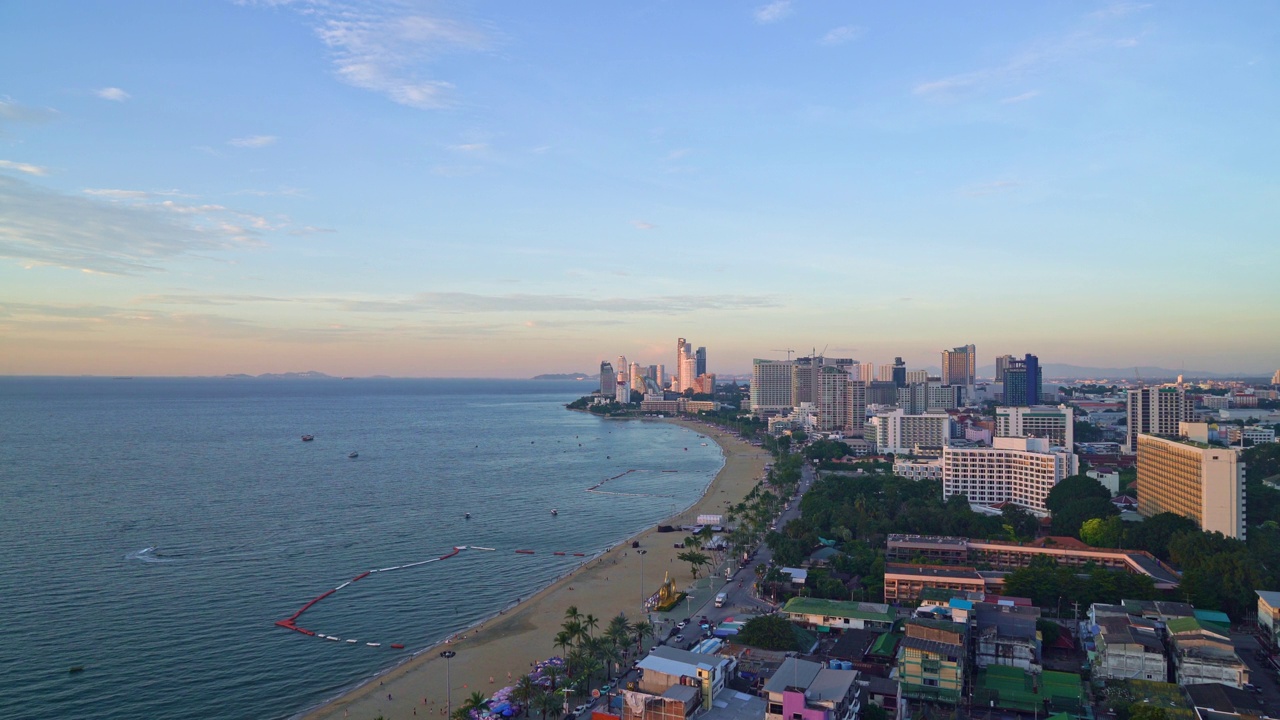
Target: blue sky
[{"x": 504, "y": 189}]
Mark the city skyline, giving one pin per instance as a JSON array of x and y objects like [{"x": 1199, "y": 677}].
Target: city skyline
[{"x": 449, "y": 190}]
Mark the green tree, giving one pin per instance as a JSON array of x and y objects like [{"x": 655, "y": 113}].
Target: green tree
[
  {"x": 1147, "y": 711},
  {"x": 1103, "y": 533},
  {"x": 524, "y": 691},
  {"x": 1154, "y": 533},
  {"x": 769, "y": 632},
  {"x": 1068, "y": 518},
  {"x": 695, "y": 559},
  {"x": 1074, "y": 489},
  {"x": 1019, "y": 522}
]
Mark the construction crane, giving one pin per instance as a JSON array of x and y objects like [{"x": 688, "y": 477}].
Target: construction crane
[{"x": 788, "y": 351}]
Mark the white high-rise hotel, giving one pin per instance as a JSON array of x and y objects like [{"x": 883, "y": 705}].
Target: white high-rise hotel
[{"x": 1017, "y": 470}]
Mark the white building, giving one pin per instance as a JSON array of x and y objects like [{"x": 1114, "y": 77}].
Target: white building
[
  {"x": 897, "y": 432},
  {"x": 918, "y": 469},
  {"x": 1017, "y": 470},
  {"x": 1156, "y": 411},
  {"x": 1234, "y": 434},
  {"x": 771, "y": 386},
  {"x": 1056, "y": 424}
]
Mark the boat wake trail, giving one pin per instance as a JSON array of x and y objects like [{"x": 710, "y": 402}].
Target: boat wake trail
[{"x": 147, "y": 554}]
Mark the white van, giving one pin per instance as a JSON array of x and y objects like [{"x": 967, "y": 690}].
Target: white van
[{"x": 721, "y": 599}]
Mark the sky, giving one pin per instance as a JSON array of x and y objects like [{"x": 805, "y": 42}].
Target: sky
[{"x": 506, "y": 189}]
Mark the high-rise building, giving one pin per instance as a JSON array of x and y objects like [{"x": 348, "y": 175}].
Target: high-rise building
[
  {"x": 680, "y": 381},
  {"x": 867, "y": 372},
  {"x": 896, "y": 432},
  {"x": 917, "y": 376},
  {"x": 1193, "y": 479},
  {"x": 700, "y": 357},
  {"x": 832, "y": 399},
  {"x": 1017, "y": 470},
  {"x": 1055, "y": 424},
  {"x": 660, "y": 375},
  {"x": 899, "y": 372},
  {"x": 803, "y": 376},
  {"x": 770, "y": 386},
  {"x": 608, "y": 379},
  {"x": 857, "y": 407},
  {"x": 914, "y": 398},
  {"x": 942, "y": 397},
  {"x": 959, "y": 365},
  {"x": 638, "y": 376},
  {"x": 622, "y": 389},
  {"x": 1002, "y": 365},
  {"x": 884, "y": 373},
  {"x": 1275, "y": 379},
  {"x": 1156, "y": 411},
  {"x": 1022, "y": 382}
]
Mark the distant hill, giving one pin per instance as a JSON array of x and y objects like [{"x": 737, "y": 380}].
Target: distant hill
[
  {"x": 565, "y": 376},
  {"x": 308, "y": 375}
]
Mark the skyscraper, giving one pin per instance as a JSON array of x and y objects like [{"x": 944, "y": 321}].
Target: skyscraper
[
  {"x": 1002, "y": 365},
  {"x": 1156, "y": 411},
  {"x": 857, "y": 407},
  {"x": 701, "y": 356},
  {"x": 959, "y": 365},
  {"x": 770, "y": 386},
  {"x": 832, "y": 398},
  {"x": 1022, "y": 382},
  {"x": 681, "y": 381},
  {"x": 608, "y": 379},
  {"x": 899, "y": 372}
]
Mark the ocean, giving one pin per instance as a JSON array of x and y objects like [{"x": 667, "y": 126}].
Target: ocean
[{"x": 153, "y": 530}]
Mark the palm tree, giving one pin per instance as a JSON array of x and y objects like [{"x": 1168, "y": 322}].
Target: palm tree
[
  {"x": 547, "y": 702},
  {"x": 474, "y": 701},
  {"x": 576, "y": 630},
  {"x": 572, "y": 613},
  {"x": 589, "y": 623},
  {"x": 641, "y": 630},
  {"x": 609, "y": 654},
  {"x": 525, "y": 691},
  {"x": 619, "y": 626},
  {"x": 563, "y": 640}
]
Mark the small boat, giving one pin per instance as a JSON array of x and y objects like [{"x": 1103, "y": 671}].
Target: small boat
[
  {"x": 554, "y": 511},
  {"x": 353, "y": 454},
  {"x": 397, "y": 646},
  {"x": 308, "y": 438},
  {"x": 76, "y": 669},
  {"x": 335, "y": 639},
  {"x": 353, "y": 641},
  {"x": 374, "y": 644},
  {"x": 466, "y": 516}
]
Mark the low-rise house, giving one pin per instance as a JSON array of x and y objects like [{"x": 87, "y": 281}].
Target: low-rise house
[
  {"x": 675, "y": 703},
  {"x": 933, "y": 660},
  {"x": 1215, "y": 701},
  {"x": 1126, "y": 647},
  {"x": 827, "y": 615},
  {"x": 803, "y": 690},
  {"x": 665, "y": 667},
  {"x": 1203, "y": 653},
  {"x": 1006, "y": 635}
]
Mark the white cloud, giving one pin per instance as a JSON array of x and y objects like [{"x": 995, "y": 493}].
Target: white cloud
[
  {"x": 1020, "y": 98},
  {"x": 253, "y": 141},
  {"x": 841, "y": 35},
  {"x": 642, "y": 225},
  {"x": 14, "y": 112},
  {"x": 124, "y": 234},
  {"x": 112, "y": 93},
  {"x": 388, "y": 46},
  {"x": 117, "y": 194},
  {"x": 773, "y": 12},
  {"x": 22, "y": 167},
  {"x": 470, "y": 147}
]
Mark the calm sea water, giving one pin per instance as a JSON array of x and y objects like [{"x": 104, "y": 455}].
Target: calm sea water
[{"x": 248, "y": 523}]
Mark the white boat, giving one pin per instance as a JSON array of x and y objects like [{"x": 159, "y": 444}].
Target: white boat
[
  {"x": 335, "y": 639},
  {"x": 374, "y": 644},
  {"x": 353, "y": 641},
  {"x": 554, "y": 511}
]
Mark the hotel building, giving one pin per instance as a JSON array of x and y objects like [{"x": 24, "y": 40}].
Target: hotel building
[
  {"x": 1017, "y": 470},
  {"x": 1193, "y": 479},
  {"x": 1057, "y": 424},
  {"x": 771, "y": 387},
  {"x": 959, "y": 365}
]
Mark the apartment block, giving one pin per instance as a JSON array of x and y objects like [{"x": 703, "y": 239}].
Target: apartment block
[
  {"x": 1156, "y": 411},
  {"x": 771, "y": 387},
  {"x": 1057, "y": 424},
  {"x": 1018, "y": 470}
]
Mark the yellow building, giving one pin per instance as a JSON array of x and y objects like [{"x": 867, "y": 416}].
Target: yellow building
[{"x": 1193, "y": 479}]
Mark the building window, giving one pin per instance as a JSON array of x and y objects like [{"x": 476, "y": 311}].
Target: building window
[{"x": 931, "y": 682}]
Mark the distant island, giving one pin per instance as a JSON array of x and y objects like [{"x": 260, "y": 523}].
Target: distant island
[
  {"x": 565, "y": 376},
  {"x": 308, "y": 375}
]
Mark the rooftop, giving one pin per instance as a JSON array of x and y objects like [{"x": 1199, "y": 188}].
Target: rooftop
[{"x": 839, "y": 608}]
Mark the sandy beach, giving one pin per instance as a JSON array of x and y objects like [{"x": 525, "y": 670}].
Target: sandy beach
[{"x": 508, "y": 644}]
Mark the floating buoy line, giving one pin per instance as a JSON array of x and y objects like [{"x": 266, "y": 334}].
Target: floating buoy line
[{"x": 291, "y": 622}]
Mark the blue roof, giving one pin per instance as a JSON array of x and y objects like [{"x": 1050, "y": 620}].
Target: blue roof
[{"x": 961, "y": 604}]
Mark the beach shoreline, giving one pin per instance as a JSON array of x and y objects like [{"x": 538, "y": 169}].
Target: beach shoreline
[{"x": 510, "y": 641}]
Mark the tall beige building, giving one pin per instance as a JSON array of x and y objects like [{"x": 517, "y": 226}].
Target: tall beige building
[
  {"x": 771, "y": 386},
  {"x": 832, "y": 398},
  {"x": 1156, "y": 411},
  {"x": 959, "y": 365},
  {"x": 1193, "y": 479}
]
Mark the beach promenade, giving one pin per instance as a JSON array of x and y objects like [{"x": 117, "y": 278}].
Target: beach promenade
[{"x": 507, "y": 645}]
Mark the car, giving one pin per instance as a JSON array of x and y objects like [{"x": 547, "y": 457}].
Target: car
[
  {"x": 578, "y": 710},
  {"x": 680, "y": 638},
  {"x": 682, "y": 623},
  {"x": 606, "y": 688}
]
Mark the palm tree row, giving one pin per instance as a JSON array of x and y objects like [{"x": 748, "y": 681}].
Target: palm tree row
[{"x": 586, "y": 653}]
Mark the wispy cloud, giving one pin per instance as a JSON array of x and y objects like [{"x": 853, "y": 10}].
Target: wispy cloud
[
  {"x": 11, "y": 111},
  {"x": 388, "y": 46},
  {"x": 253, "y": 141},
  {"x": 841, "y": 35},
  {"x": 23, "y": 167},
  {"x": 113, "y": 234},
  {"x": 1059, "y": 50},
  {"x": 119, "y": 194},
  {"x": 642, "y": 225},
  {"x": 114, "y": 94},
  {"x": 470, "y": 147},
  {"x": 1023, "y": 97},
  {"x": 773, "y": 12}
]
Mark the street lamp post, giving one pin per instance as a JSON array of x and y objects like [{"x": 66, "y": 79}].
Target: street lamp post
[
  {"x": 642, "y": 554},
  {"x": 448, "y": 683}
]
